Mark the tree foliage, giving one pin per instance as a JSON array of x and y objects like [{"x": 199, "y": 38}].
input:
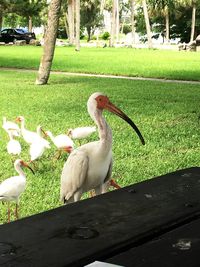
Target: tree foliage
[{"x": 90, "y": 16}]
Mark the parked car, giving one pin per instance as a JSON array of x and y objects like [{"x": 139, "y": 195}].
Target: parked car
[{"x": 13, "y": 35}]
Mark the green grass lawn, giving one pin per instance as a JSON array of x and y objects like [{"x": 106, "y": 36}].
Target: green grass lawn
[
  {"x": 118, "y": 61},
  {"x": 167, "y": 115}
]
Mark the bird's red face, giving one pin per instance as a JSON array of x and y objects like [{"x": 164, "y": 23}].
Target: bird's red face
[
  {"x": 68, "y": 149},
  {"x": 26, "y": 165},
  {"x": 103, "y": 102},
  {"x": 18, "y": 119}
]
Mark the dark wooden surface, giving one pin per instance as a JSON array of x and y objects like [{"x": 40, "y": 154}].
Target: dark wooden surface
[
  {"x": 178, "y": 248},
  {"x": 104, "y": 227}
]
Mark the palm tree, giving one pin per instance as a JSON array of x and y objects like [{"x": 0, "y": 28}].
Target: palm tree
[
  {"x": 193, "y": 4},
  {"x": 113, "y": 23},
  {"x": 70, "y": 21},
  {"x": 193, "y": 20},
  {"x": 133, "y": 21},
  {"x": 148, "y": 27},
  {"x": 77, "y": 8},
  {"x": 49, "y": 42},
  {"x": 163, "y": 7}
]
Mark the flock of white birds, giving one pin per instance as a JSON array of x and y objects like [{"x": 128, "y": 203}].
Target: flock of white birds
[
  {"x": 88, "y": 167},
  {"x": 11, "y": 188}
]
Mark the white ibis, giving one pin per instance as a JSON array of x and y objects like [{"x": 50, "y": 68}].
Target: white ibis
[
  {"x": 13, "y": 146},
  {"x": 10, "y": 126},
  {"x": 30, "y": 136},
  {"x": 90, "y": 165},
  {"x": 41, "y": 140},
  {"x": 81, "y": 132},
  {"x": 38, "y": 146},
  {"x": 11, "y": 188},
  {"x": 62, "y": 142}
]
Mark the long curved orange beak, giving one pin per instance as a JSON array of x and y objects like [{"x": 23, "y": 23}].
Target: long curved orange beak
[{"x": 112, "y": 108}]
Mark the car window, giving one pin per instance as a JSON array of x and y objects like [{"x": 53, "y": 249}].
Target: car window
[
  {"x": 10, "y": 31},
  {"x": 19, "y": 30},
  {"x": 4, "y": 31},
  {"x": 22, "y": 31}
]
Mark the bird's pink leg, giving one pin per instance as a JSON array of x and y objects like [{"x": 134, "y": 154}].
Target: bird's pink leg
[
  {"x": 8, "y": 211},
  {"x": 114, "y": 184}
]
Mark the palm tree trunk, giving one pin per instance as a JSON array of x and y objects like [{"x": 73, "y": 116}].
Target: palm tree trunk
[
  {"x": 167, "y": 24},
  {"x": 193, "y": 22},
  {"x": 70, "y": 20},
  {"x": 133, "y": 22},
  {"x": 117, "y": 20},
  {"x": 66, "y": 24},
  {"x": 113, "y": 24},
  {"x": 148, "y": 28},
  {"x": 30, "y": 24},
  {"x": 77, "y": 25},
  {"x": 102, "y": 6},
  {"x": 1, "y": 19},
  {"x": 49, "y": 42}
]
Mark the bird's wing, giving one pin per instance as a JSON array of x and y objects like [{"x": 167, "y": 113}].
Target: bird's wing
[
  {"x": 109, "y": 173},
  {"x": 106, "y": 185},
  {"x": 74, "y": 173},
  {"x": 11, "y": 187}
]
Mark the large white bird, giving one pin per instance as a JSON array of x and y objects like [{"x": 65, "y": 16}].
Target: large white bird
[
  {"x": 90, "y": 166},
  {"x": 81, "y": 132},
  {"x": 11, "y": 188},
  {"x": 11, "y": 127},
  {"x": 13, "y": 146},
  {"x": 62, "y": 142}
]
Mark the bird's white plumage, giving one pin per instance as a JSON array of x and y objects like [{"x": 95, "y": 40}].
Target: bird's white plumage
[
  {"x": 89, "y": 166},
  {"x": 37, "y": 149},
  {"x": 27, "y": 135},
  {"x": 61, "y": 141},
  {"x": 11, "y": 127},
  {"x": 41, "y": 141},
  {"x": 81, "y": 132},
  {"x": 11, "y": 188},
  {"x": 14, "y": 147}
]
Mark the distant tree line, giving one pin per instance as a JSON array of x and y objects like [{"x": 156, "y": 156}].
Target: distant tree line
[{"x": 171, "y": 18}]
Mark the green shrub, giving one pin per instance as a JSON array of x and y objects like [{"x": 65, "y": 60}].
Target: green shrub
[
  {"x": 105, "y": 36},
  {"x": 126, "y": 28}
]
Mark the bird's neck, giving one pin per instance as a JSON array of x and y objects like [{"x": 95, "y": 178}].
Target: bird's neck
[
  {"x": 22, "y": 125},
  {"x": 51, "y": 137},
  {"x": 20, "y": 171},
  {"x": 105, "y": 132},
  {"x": 10, "y": 136}
]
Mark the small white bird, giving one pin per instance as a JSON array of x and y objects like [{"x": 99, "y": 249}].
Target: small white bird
[
  {"x": 41, "y": 140},
  {"x": 90, "y": 166},
  {"x": 62, "y": 142},
  {"x": 13, "y": 146},
  {"x": 10, "y": 126},
  {"x": 37, "y": 149},
  {"x": 30, "y": 136},
  {"x": 11, "y": 188},
  {"x": 81, "y": 132},
  {"x": 39, "y": 144}
]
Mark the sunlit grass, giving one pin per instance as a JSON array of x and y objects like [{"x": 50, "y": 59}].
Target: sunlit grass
[
  {"x": 167, "y": 64},
  {"x": 166, "y": 114}
]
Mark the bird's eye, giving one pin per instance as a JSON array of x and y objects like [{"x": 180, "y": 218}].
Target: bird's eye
[{"x": 100, "y": 99}]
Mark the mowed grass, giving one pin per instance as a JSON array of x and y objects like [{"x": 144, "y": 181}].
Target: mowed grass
[
  {"x": 166, "y": 114},
  {"x": 166, "y": 64}
]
